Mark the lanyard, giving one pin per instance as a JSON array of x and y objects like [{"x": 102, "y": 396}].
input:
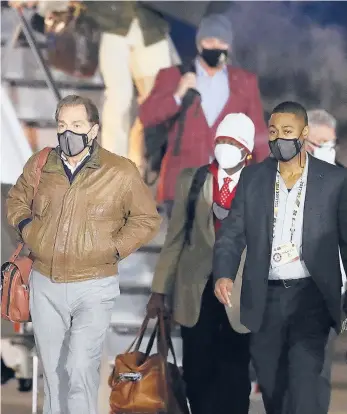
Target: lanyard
[{"x": 296, "y": 206}]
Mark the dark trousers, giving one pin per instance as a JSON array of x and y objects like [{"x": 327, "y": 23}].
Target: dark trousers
[
  {"x": 215, "y": 361},
  {"x": 288, "y": 351}
]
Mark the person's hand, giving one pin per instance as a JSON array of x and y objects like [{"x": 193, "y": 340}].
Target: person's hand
[
  {"x": 155, "y": 305},
  {"x": 222, "y": 290},
  {"x": 187, "y": 81},
  {"x": 20, "y": 4}
]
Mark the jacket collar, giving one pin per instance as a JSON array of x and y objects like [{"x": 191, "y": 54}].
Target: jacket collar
[{"x": 55, "y": 163}]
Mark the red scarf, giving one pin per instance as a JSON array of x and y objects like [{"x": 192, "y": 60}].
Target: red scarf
[{"x": 216, "y": 193}]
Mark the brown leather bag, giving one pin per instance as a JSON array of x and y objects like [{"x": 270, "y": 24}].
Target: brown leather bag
[
  {"x": 143, "y": 383},
  {"x": 15, "y": 272}
]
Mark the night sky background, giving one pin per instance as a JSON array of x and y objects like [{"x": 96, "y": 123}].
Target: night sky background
[
  {"x": 324, "y": 13},
  {"x": 298, "y": 50}
]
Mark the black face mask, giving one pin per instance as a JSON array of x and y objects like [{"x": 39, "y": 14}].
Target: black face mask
[
  {"x": 285, "y": 149},
  {"x": 214, "y": 57},
  {"x": 71, "y": 143}
]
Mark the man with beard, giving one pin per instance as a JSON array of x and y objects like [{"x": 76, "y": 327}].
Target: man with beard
[
  {"x": 290, "y": 211},
  {"x": 222, "y": 89}
]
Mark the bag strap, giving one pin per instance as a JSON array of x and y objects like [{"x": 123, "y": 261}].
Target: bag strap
[
  {"x": 164, "y": 338},
  {"x": 16, "y": 253},
  {"x": 194, "y": 191},
  {"x": 161, "y": 332},
  {"x": 41, "y": 161},
  {"x": 139, "y": 337},
  {"x": 150, "y": 344}
]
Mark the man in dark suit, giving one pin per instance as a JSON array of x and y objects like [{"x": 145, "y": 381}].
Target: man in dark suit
[{"x": 291, "y": 213}]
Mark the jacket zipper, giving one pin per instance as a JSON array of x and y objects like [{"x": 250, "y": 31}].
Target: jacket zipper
[{"x": 9, "y": 290}]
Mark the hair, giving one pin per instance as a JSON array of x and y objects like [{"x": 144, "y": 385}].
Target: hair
[
  {"x": 321, "y": 117},
  {"x": 75, "y": 100},
  {"x": 291, "y": 108}
]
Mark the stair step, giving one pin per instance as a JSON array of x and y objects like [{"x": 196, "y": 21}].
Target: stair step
[
  {"x": 153, "y": 249},
  {"x": 135, "y": 290},
  {"x": 116, "y": 344},
  {"x": 22, "y": 43},
  {"x": 39, "y": 105},
  {"x": 20, "y": 68},
  {"x": 136, "y": 271},
  {"x": 131, "y": 330},
  {"x": 40, "y": 83},
  {"x": 39, "y": 123}
]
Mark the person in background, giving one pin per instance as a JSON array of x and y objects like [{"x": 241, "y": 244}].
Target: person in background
[
  {"x": 222, "y": 89},
  {"x": 134, "y": 47},
  {"x": 43, "y": 8},
  {"x": 321, "y": 143},
  {"x": 92, "y": 209},
  {"x": 291, "y": 292},
  {"x": 215, "y": 355}
]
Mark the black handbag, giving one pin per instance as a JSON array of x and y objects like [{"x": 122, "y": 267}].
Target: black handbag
[{"x": 72, "y": 41}]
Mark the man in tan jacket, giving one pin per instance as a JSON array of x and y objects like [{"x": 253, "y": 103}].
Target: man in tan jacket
[
  {"x": 215, "y": 354},
  {"x": 91, "y": 210}
]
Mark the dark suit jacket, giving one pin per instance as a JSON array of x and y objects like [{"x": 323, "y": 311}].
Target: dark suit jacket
[
  {"x": 250, "y": 224},
  {"x": 197, "y": 141}
]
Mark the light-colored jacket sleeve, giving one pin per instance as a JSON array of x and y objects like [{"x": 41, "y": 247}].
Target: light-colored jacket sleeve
[
  {"x": 142, "y": 218},
  {"x": 20, "y": 197},
  {"x": 165, "y": 272}
]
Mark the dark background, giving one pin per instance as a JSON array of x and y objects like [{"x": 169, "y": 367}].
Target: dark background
[{"x": 298, "y": 50}]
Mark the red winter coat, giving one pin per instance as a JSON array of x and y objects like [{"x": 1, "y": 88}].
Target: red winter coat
[{"x": 197, "y": 142}]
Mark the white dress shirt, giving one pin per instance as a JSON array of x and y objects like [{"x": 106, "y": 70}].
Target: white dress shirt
[
  {"x": 234, "y": 177},
  {"x": 296, "y": 269},
  {"x": 69, "y": 166},
  {"x": 214, "y": 92}
]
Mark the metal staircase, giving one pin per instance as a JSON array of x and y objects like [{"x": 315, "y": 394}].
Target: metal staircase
[{"x": 34, "y": 89}]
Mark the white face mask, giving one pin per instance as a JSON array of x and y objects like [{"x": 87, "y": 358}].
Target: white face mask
[
  {"x": 227, "y": 156},
  {"x": 326, "y": 153}
]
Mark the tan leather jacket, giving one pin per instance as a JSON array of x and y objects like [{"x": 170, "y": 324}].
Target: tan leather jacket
[{"x": 78, "y": 228}]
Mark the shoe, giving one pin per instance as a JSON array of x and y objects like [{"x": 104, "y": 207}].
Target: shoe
[
  {"x": 6, "y": 373},
  {"x": 25, "y": 385}
]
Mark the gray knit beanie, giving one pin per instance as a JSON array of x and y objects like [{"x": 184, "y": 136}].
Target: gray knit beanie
[{"x": 215, "y": 25}]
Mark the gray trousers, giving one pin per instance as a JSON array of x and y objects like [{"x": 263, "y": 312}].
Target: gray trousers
[{"x": 70, "y": 321}]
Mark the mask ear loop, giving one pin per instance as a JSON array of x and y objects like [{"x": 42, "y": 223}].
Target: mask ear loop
[
  {"x": 301, "y": 147},
  {"x": 87, "y": 139},
  {"x": 300, "y": 157}
]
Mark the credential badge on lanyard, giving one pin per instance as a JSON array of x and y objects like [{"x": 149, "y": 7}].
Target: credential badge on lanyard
[{"x": 295, "y": 210}]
